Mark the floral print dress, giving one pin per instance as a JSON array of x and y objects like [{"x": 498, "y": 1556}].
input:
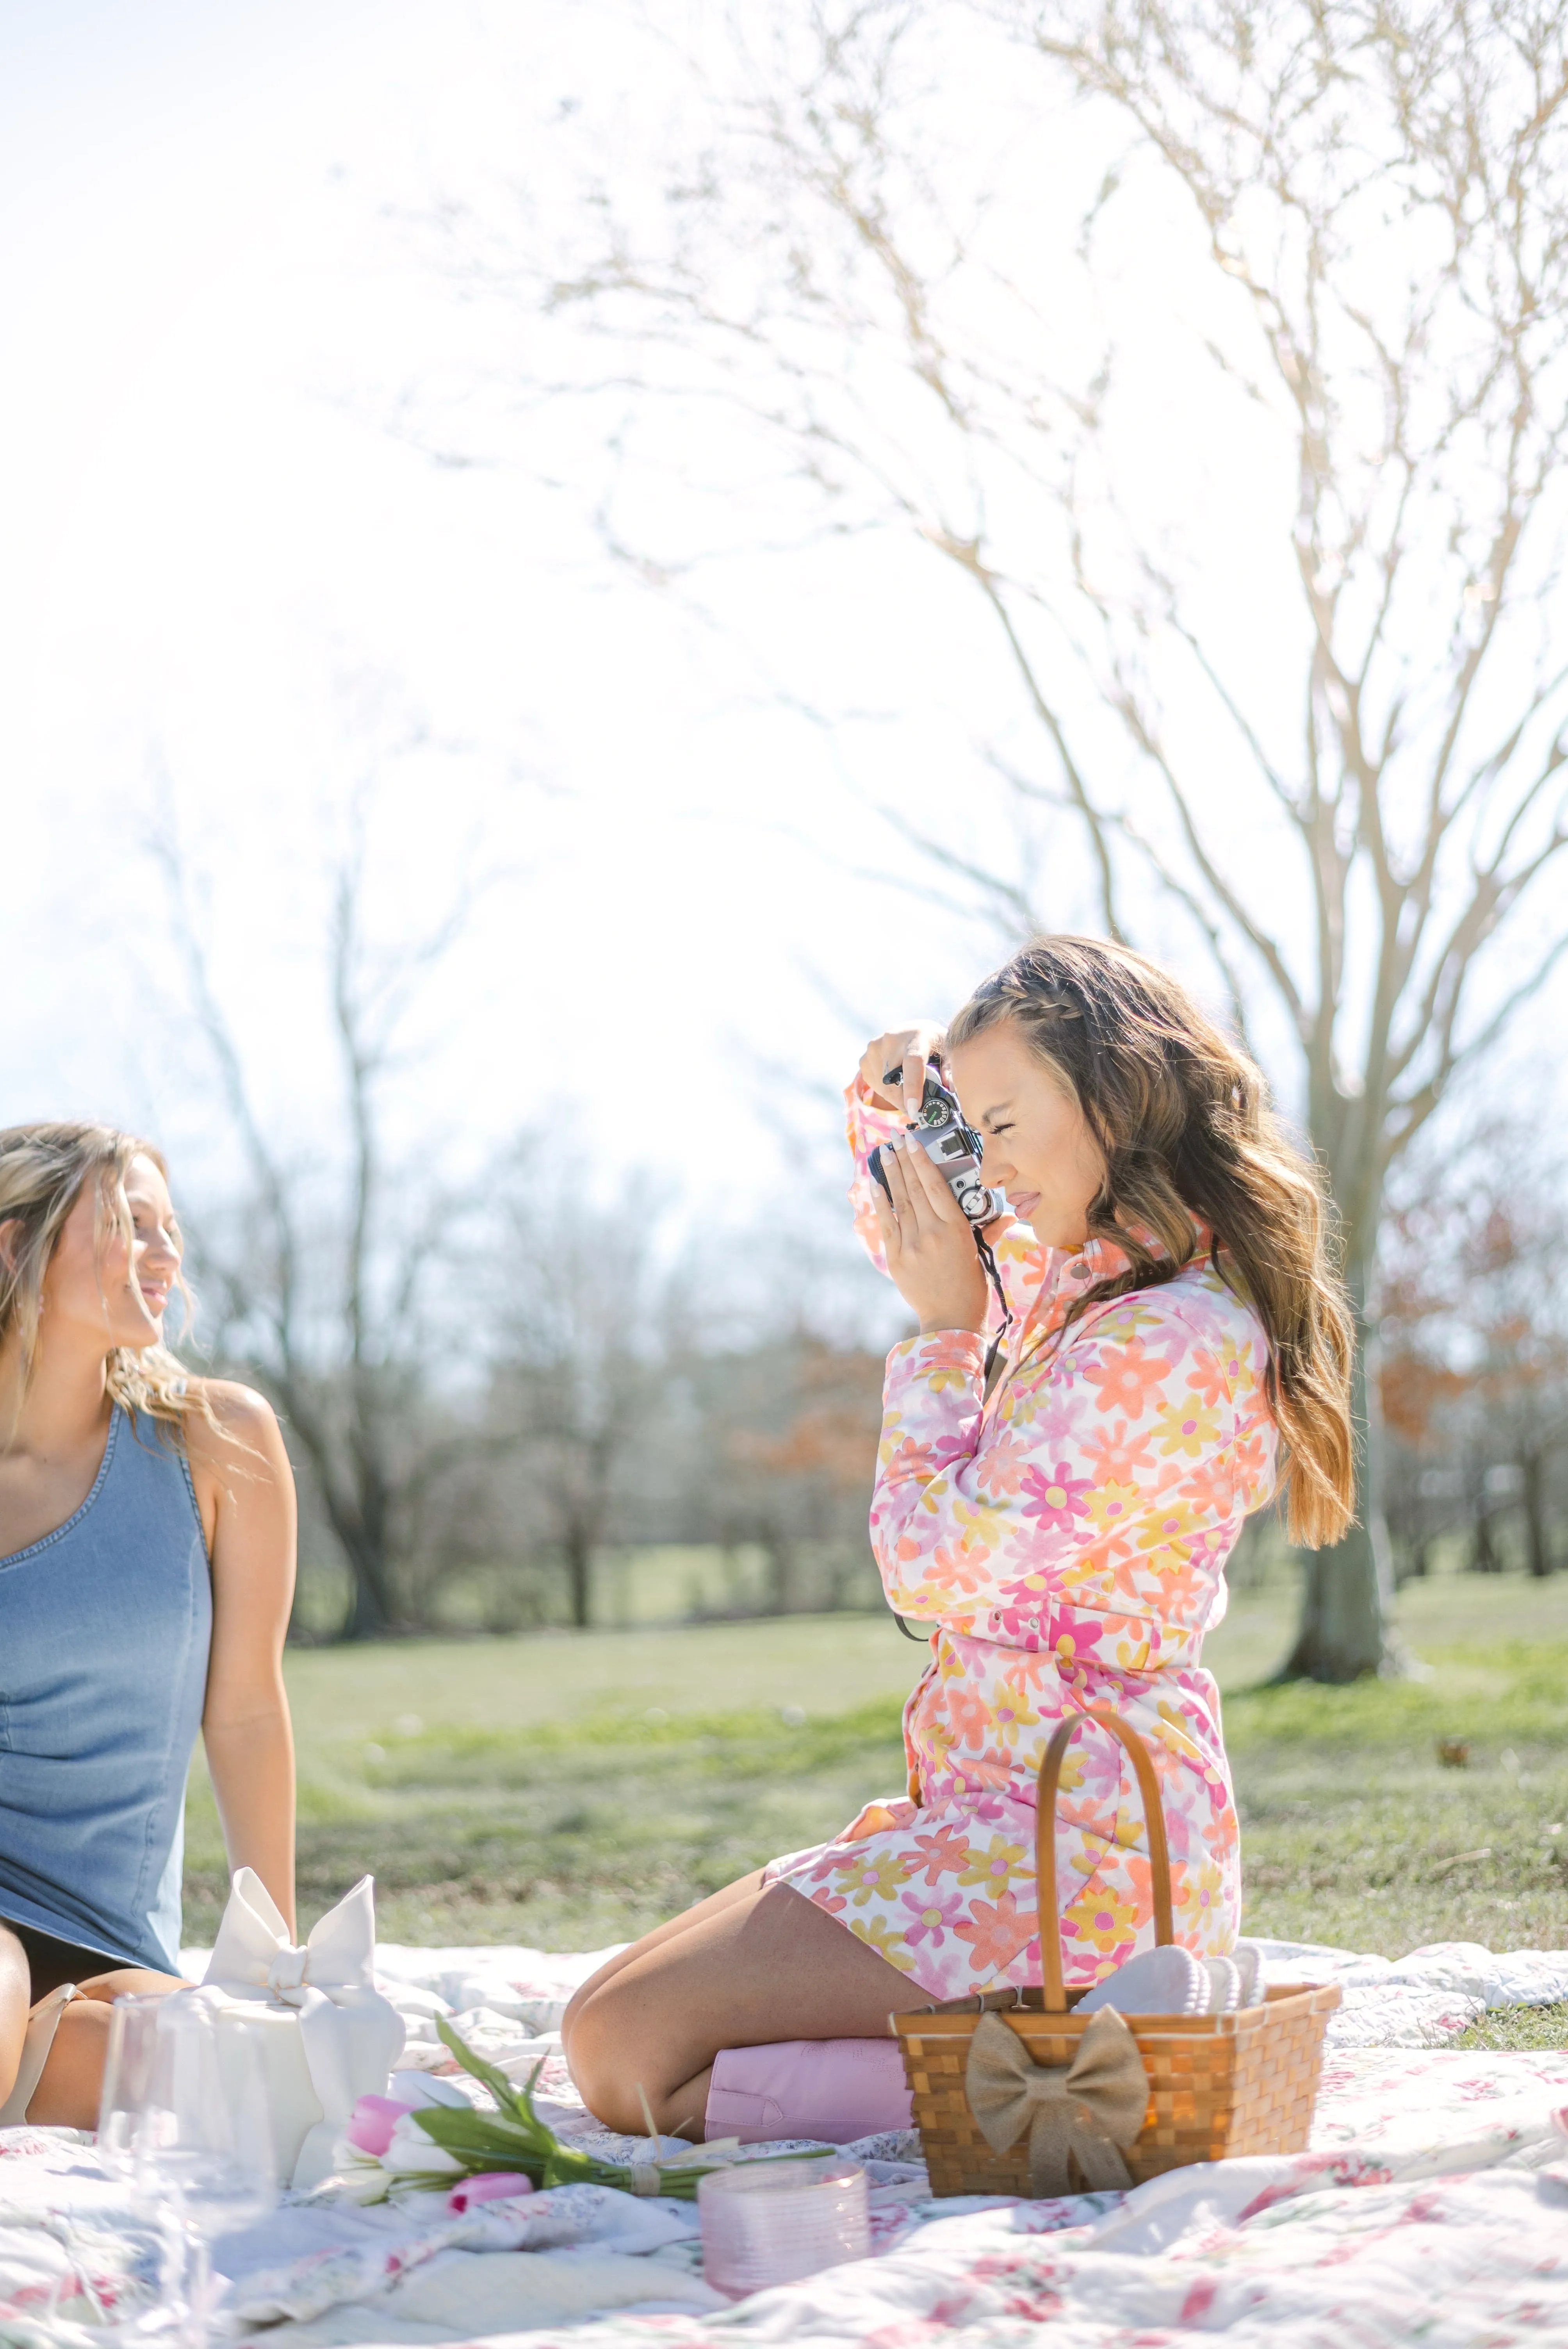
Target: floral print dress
[{"x": 1064, "y": 1539}]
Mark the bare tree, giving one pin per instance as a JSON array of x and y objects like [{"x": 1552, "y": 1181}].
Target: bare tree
[
  {"x": 582, "y": 1322},
  {"x": 790, "y": 1427},
  {"x": 1370, "y": 204},
  {"x": 331, "y": 1274}
]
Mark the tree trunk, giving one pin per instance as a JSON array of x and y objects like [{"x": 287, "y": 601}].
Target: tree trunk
[
  {"x": 579, "y": 1577},
  {"x": 357, "y": 1509},
  {"x": 1347, "y": 1590},
  {"x": 1485, "y": 1559},
  {"x": 360, "y": 1523},
  {"x": 367, "y": 1617},
  {"x": 1532, "y": 1467},
  {"x": 783, "y": 1575}
]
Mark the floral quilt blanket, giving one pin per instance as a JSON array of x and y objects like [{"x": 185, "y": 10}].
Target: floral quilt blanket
[{"x": 1431, "y": 2207}]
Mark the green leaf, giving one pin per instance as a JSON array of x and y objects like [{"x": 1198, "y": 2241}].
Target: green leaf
[
  {"x": 487, "y": 2141},
  {"x": 514, "y": 2138},
  {"x": 420, "y": 2181},
  {"x": 488, "y": 2074},
  {"x": 565, "y": 2166}
]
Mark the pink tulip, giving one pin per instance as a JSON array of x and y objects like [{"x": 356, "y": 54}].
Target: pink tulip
[
  {"x": 372, "y": 2122},
  {"x": 489, "y": 2185}
]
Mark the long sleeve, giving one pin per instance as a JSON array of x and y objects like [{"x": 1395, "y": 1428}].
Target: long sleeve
[
  {"x": 1107, "y": 1480},
  {"x": 1022, "y": 1264}
]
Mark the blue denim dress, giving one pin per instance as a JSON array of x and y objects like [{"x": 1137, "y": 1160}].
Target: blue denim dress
[{"x": 104, "y": 1630}]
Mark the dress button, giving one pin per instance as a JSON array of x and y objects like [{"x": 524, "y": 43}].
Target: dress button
[{"x": 1079, "y": 1271}]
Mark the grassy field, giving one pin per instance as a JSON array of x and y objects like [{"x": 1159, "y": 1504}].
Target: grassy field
[{"x": 567, "y": 1791}]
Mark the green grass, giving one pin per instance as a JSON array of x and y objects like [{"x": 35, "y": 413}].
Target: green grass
[
  {"x": 517, "y": 1789},
  {"x": 566, "y": 1790},
  {"x": 1518, "y": 2027}
]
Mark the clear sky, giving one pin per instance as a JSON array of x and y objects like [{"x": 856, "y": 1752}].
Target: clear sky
[
  {"x": 226, "y": 583},
  {"x": 230, "y": 584}
]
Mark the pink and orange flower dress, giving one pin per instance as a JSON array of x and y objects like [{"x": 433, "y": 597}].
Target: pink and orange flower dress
[{"x": 1064, "y": 1540}]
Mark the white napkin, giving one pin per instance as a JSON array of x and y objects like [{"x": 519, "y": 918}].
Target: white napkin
[{"x": 350, "y": 2035}]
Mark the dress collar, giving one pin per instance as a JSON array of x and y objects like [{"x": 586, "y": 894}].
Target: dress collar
[{"x": 1071, "y": 1273}]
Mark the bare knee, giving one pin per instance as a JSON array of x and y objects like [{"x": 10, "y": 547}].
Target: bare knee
[
  {"x": 574, "y": 2006},
  {"x": 609, "y": 2060},
  {"x": 591, "y": 1989},
  {"x": 71, "y": 2081},
  {"x": 15, "y": 1995},
  {"x": 66, "y": 2096}
]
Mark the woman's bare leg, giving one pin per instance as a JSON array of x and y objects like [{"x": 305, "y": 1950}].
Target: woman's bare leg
[
  {"x": 760, "y": 1964},
  {"x": 699, "y": 1909},
  {"x": 66, "y": 2096},
  {"x": 16, "y": 1997}
]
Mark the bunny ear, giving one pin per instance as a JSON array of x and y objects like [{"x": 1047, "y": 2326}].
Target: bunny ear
[
  {"x": 251, "y": 1935},
  {"x": 342, "y": 1944}
]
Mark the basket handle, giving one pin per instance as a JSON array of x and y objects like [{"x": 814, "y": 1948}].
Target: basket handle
[{"x": 1045, "y": 1843}]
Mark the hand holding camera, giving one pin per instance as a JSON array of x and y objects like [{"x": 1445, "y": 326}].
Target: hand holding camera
[
  {"x": 931, "y": 1199},
  {"x": 894, "y": 1065},
  {"x": 928, "y": 1242}
]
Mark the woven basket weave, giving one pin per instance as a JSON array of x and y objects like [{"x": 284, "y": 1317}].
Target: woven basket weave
[{"x": 1217, "y": 2083}]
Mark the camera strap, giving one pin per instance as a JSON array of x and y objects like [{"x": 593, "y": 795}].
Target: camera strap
[{"x": 995, "y": 1359}]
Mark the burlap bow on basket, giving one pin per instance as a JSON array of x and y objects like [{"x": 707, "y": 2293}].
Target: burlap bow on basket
[
  {"x": 1163, "y": 2089},
  {"x": 1089, "y": 2110}
]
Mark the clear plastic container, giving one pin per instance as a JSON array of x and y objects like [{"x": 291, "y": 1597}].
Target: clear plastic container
[{"x": 767, "y": 2222}]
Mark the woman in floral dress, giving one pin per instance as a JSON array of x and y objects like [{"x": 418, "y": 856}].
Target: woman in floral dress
[{"x": 1055, "y": 1498}]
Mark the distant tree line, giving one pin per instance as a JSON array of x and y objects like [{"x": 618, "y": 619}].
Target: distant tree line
[
  {"x": 599, "y": 1423},
  {"x": 495, "y": 1381},
  {"x": 1474, "y": 1371},
  {"x": 592, "y": 1391}
]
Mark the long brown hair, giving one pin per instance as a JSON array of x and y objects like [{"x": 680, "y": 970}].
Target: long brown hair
[
  {"x": 1183, "y": 1121},
  {"x": 43, "y": 1172}
]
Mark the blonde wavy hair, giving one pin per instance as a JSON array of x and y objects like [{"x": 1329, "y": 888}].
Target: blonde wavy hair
[
  {"x": 1184, "y": 1121},
  {"x": 43, "y": 1172}
]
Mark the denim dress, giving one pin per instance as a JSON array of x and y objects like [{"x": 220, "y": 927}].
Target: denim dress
[{"x": 105, "y": 1631}]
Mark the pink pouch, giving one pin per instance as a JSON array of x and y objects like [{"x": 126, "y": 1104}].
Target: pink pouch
[{"x": 834, "y": 2090}]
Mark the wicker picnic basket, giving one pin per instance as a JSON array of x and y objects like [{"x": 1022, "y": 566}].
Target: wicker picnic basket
[{"x": 1217, "y": 2083}]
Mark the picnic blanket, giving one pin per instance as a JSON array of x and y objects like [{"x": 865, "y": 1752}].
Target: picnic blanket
[{"x": 1433, "y": 2206}]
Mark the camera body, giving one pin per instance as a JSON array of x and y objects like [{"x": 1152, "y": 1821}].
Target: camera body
[{"x": 954, "y": 1148}]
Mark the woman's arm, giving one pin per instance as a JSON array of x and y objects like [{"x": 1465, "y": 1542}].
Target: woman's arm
[
  {"x": 867, "y": 1125},
  {"x": 245, "y": 1488}
]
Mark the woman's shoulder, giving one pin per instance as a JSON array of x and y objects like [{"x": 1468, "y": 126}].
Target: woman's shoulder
[
  {"x": 1196, "y": 1312},
  {"x": 236, "y": 1454},
  {"x": 231, "y": 1425}
]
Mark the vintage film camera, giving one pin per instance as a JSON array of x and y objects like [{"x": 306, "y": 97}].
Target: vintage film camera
[{"x": 953, "y": 1147}]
